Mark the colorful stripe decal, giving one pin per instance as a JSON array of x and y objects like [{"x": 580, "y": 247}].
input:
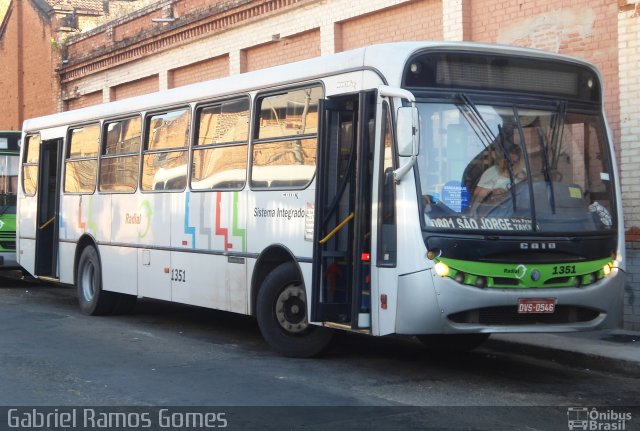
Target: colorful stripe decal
[
  {"x": 189, "y": 230},
  {"x": 92, "y": 225},
  {"x": 236, "y": 230},
  {"x": 145, "y": 208},
  {"x": 222, "y": 231},
  {"x": 81, "y": 224}
]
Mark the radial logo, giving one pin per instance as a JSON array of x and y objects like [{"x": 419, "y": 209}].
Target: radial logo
[{"x": 519, "y": 271}]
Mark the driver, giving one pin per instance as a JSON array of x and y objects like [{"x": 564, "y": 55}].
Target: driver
[{"x": 496, "y": 181}]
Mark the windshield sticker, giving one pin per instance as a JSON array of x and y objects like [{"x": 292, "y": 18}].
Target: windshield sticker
[
  {"x": 486, "y": 223},
  {"x": 455, "y": 195},
  {"x": 575, "y": 192},
  {"x": 604, "y": 176},
  {"x": 602, "y": 214}
]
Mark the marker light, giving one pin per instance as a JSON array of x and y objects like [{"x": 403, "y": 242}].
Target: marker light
[
  {"x": 606, "y": 269},
  {"x": 617, "y": 260},
  {"x": 432, "y": 254},
  {"x": 441, "y": 269}
]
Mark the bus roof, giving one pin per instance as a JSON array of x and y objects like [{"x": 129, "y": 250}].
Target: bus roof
[{"x": 374, "y": 57}]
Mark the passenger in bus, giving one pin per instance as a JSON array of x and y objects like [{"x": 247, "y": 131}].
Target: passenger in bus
[{"x": 495, "y": 182}]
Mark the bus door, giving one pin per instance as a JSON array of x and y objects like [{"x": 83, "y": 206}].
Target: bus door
[
  {"x": 343, "y": 211},
  {"x": 46, "y": 258}
]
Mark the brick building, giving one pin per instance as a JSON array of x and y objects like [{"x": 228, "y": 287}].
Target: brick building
[
  {"x": 33, "y": 34},
  {"x": 170, "y": 43}
]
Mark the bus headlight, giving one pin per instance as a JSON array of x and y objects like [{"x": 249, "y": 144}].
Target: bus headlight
[
  {"x": 607, "y": 269},
  {"x": 442, "y": 269}
]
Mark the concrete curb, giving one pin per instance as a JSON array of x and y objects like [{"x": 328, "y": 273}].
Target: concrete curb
[{"x": 571, "y": 357}]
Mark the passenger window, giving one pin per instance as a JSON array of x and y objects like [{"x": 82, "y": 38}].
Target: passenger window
[
  {"x": 387, "y": 246},
  {"x": 81, "y": 163},
  {"x": 284, "y": 152},
  {"x": 30, "y": 165},
  {"x": 220, "y": 153},
  {"x": 164, "y": 161},
  {"x": 120, "y": 156}
]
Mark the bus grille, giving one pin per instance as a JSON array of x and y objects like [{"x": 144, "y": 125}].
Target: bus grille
[
  {"x": 8, "y": 240},
  {"x": 8, "y": 245},
  {"x": 509, "y": 316}
]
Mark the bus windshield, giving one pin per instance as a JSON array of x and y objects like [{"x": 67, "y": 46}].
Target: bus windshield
[
  {"x": 514, "y": 169},
  {"x": 9, "y": 165}
]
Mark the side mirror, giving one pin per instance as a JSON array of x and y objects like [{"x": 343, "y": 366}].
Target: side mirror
[{"x": 407, "y": 131}]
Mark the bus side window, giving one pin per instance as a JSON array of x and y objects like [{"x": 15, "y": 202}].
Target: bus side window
[
  {"x": 387, "y": 247},
  {"x": 81, "y": 164},
  {"x": 164, "y": 161},
  {"x": 286, "y": 137},
  {"x": 120, "y": 156},
  {"x": 30, "y": 165},
  {"x": 220, "y": 149}
]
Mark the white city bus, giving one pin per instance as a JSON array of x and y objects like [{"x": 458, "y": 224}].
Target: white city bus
[{"x": 342, "y": 192}]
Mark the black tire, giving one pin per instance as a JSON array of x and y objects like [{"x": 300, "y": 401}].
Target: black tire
[
  {"x": 92, "y": 299},
  {"x": 124, "y": 304},
  {"x": 452, "y": 342},
  {"x": 281, "y": 310}
]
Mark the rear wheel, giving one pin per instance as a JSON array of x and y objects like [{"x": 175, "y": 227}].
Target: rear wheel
[
  {"x": 92, "y": 299},
  {"x": 452, "y": 342},
  {"x": 281, "y": 310}
]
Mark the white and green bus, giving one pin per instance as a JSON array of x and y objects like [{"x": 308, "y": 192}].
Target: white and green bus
[
  {"x": 9, "y": 167},
  {"x": 342, "y": 192}
]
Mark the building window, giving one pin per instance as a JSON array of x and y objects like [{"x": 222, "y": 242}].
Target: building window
[
  {"x": 284, "y": 151},
  {"x": 81, "y": 163},
  {"x": 220, "y": 153},
  {"x": 164, "y": 160}
]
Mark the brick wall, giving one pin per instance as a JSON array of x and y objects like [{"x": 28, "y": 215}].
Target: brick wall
[
  {"x": 132, "y": 28},
  {"x": 183, "y": 7},
  {"x": 390, "y": 25},
  {"x": 28, "y": 86},
  {"x": 287, "y": 50},
  {"x": 200, "y": 71},
  {"x": 10, "y": 118},
  {"x": 85, "y": 100},
  {"x": 40, "y": 83},
  {"x": 632, "y": 289},
  {"x": 138, "y": 87},
  {"x": 629, "y": 48},
  {"x": 586, "y": 29}
]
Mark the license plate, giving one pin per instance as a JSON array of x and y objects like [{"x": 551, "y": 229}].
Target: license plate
[{"x": 536, "y": 305}]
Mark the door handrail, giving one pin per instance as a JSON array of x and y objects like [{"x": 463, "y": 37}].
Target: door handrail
[
  {"x": 47, "y": 223},
  {"x": 337, "y": 228}
]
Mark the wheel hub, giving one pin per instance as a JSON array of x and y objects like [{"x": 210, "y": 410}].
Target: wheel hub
[{"x": 291, "y": 311}]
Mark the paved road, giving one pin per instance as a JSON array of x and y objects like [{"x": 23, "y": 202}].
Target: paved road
[{"x": 172, "y": 355}]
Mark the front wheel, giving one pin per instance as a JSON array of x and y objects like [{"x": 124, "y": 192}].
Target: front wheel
[
  {"x": 281, "y": 310},
  {"x": 452, "y": 342},
  {"x": 92, "y": 299}
]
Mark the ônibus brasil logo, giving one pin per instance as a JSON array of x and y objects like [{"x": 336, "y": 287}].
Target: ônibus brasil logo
[{"x": 593, "y": 419}]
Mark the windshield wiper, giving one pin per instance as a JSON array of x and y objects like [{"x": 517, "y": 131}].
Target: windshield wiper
[
  {"x": 475, "y": 120},
  {"x": 545, "y": 170},
  {"x": 557, "y": 128},
  {"x": 507, "y": 161},
  {"x": 484, "y": 133}
]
